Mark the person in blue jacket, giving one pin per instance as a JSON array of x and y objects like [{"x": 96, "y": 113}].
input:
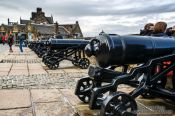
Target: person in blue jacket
[{"x": 21, "y": 40}]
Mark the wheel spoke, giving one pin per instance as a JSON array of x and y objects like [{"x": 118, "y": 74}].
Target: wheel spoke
[
  {"x": 84, "y": 86},
  {"x": 85, "y": 91},
  {"x": 109, "y": 114},
  {"x": 82, "y": 97},
  {"x": 112, "y": 105}
]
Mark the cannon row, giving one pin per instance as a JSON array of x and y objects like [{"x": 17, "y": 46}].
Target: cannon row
[
  {"x": 100, "y": 88},
  {"x": 53, "y": 51},
  {"x": 154, "y": 57},
  {"x": 39, "y": 47}
]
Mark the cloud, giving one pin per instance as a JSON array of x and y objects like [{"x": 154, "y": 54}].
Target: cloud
[
  {"x": 114, "y": 16},
  {"x": 77, "y": 8}
]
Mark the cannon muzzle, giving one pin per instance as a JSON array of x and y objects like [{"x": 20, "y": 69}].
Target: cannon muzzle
[{"x": 92, "y": 48}]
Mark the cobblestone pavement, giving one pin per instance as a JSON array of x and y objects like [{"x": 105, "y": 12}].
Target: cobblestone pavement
[
  {"x": 21, "y": 61},
  {"x": 40, "y": 81}
]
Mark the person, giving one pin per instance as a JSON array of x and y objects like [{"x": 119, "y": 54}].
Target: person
[
  {"x": 3, "y": 39},
  {"x": 170, "y": 31},
  {"x": 6, "y": 37},
  {"x": 148, "y": 29},
  {"x": 0, "y": 38},
  {"x": 58, "y": 36},
  {"x": 159, "y": 29},
  {"x": 10, "y": 42},
  {"x": 21, "y": 41}
]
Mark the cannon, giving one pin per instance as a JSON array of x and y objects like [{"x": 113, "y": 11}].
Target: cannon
[
  {"x": 31, "y": 44},
  {"x": 66, "y": 43},
  {"x": 100, "y": 88},
  {"x": 67, "y": 49},
  {"x": 39, "y": 47}
]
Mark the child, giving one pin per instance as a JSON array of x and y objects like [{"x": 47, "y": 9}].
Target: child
[{"x": 10, "y": 42}]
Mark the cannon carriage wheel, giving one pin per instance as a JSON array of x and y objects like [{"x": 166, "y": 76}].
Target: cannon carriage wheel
[
  {"x": 84, "y": 63},
  {"x": 83, "y": 89},
  {"x": 75, "y": 61},
  {"x": 119, "y": 104},
  {"x": 53, "y": 66}
]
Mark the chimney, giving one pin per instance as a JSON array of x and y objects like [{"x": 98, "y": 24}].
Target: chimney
[
  {"x": 77, "y": 22},
  {"x": 39, "y": 9}
]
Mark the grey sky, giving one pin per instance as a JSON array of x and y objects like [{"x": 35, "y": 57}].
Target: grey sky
[{"x": 112, "y": 16}]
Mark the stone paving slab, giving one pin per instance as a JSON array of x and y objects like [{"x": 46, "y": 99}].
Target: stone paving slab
[
  {"x": 17, "y": 112},
  {"x": 81, "y": 108},
  {"x": 45, "y": 95},
  {"x": 23, "y": 67},
  {"x": 19, "y": 68},
  {"x": 4, "y": 69},
  {"x": 21, "y": 57},
  {"x": 4, "y": 73},
  {"x": 10, "y": 56},
  {"x": 53, "y": 109},
  {"x": 34, "y": 66},
  {"x": 19, "y": 72},
  {"x": 14, "y": 99},
  {"x": 19, "y": 64},
  {"x": 5, "y": 65},
  {"x": 69, "y": 94}
]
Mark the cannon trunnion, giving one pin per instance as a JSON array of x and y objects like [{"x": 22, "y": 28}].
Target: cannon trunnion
[{"x": 101, "y": 88}]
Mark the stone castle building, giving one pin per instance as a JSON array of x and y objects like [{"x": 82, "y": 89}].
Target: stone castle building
[{"x": 41, "y": 26}]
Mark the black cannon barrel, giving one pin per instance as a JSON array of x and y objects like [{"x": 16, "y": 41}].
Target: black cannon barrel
[
  {"x": 116, "y": 50},
  {"x": 65, "y": 43},
  {"x": 45, "y": 42}
]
